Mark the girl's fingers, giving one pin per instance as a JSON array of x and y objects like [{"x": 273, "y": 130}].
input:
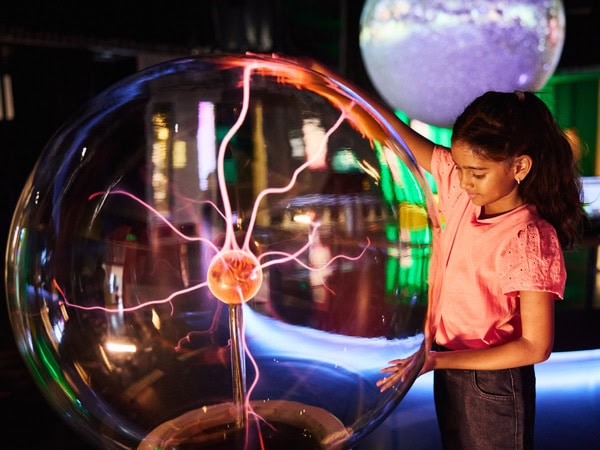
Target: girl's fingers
[{"x": 388, "y": 382}]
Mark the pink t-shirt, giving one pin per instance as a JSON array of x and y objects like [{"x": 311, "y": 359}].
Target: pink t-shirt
[{"x": 479, "y": 266}]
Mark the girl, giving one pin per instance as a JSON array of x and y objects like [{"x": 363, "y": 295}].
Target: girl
[{"x": 511, "y": 197}]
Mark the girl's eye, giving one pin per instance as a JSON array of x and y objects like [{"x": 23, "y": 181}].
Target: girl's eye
[{"x": 477, "y": 176}]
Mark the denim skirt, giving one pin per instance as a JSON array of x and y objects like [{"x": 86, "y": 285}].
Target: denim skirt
[{"x": 485, "y": 409}]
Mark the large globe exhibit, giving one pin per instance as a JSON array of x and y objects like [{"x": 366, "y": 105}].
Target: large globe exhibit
[
  {"x": 222, "y": 252},
  {"x": 429, "y": 59}
]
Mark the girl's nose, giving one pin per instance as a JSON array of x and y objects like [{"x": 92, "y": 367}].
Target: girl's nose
[{"x": 464, "y": 182}]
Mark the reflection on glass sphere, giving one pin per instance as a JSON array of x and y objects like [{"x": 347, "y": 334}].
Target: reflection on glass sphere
[
  {"x": 430, "y": 59},
  {"x": 222, "y": 252}
]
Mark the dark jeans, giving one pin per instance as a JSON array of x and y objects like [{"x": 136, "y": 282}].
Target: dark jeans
[{"x": 485, "y": 409}]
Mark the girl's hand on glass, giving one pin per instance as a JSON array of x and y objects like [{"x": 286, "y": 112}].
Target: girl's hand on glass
[
  {"x": 399, "y": 368},
  {"x": 397, "y": 372}
]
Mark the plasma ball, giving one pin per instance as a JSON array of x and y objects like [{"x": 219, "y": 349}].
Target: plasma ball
[{"x": 234, "y": 276}]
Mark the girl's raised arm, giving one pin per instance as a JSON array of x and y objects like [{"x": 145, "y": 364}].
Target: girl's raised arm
[{"x": 419, "y": 145}]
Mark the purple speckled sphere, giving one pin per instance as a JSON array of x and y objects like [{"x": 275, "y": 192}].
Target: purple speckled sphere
[{"x": 430, "y": 59}]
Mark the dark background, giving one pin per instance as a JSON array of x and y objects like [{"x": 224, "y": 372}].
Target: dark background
[{"x": 60, "y": 54}]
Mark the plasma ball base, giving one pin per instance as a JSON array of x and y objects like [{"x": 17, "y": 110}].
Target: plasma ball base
[{"x": 273, "y": 426}]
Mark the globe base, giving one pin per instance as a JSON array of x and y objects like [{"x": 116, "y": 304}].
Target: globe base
[{"x": 272, "y": 425}]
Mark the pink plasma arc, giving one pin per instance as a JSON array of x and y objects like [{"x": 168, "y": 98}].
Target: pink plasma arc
[{"x": 235, "y": 274}]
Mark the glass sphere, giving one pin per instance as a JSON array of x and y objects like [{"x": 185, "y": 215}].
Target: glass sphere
[
  {"x": 222, "y": 252},
  {"x": 430, "y": 59}
]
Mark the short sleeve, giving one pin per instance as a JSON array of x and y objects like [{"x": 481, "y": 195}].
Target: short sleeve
[{"x": 533, "y": 261}]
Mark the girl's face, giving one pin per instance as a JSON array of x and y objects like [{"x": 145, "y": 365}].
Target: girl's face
[{"x": 490, "y": 184}]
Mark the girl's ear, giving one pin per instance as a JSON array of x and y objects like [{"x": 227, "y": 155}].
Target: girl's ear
[{"x": 521, "y": 167}]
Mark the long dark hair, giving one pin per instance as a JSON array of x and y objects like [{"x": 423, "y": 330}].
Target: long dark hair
[{"x": 500, "y": 126}]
